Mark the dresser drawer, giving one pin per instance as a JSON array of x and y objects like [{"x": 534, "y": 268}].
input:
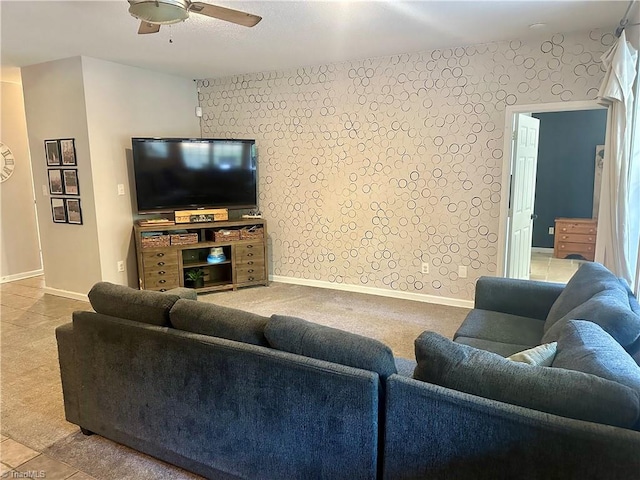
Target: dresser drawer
[
  {"x": 576, "y": 238},
  {"x": 565, "y": 249},
  {"x": 252, "y": 252},
  {"x": 576, "y": 227}
]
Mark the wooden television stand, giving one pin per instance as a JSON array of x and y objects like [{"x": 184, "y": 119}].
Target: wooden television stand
[{"x": 165, "y": 259}]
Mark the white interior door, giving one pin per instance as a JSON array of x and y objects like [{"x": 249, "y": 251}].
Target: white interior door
[{"x": 523, "y": 189}]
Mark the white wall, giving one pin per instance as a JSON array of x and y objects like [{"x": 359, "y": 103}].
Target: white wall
[
  {"x": 19, "y": 245},
  {"x": 55, "y": 108},
  {"x": 124, "y": 102},
  {"x": 102, "y": 105}
]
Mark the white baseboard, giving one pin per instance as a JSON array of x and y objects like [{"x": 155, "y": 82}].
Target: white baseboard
[
  {"x": 66, "y": 294},
  {"x": 542, "y": 250},
  {"x": 21, "y": 276},
  {"x": 418, "y": 297}
]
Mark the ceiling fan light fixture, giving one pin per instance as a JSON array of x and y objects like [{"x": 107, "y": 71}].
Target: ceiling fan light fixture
[{"x": 159, "y": 12}]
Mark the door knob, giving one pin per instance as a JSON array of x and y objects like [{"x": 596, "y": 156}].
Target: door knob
[{"x": 534, "y": 216}]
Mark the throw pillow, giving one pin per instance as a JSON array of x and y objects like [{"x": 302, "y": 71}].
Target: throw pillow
[
  {"x": 585, "y": 347},
  {"x": 218, "y": 321},
  {"x": 590, "y": 279},
  {"x": 298, "y": 336},
  {"x": 146, "y": 306},
  {"x": 553, "y": 390},
  {"x": 610, "y": 309},
  {"x": 542, "y": 355}
]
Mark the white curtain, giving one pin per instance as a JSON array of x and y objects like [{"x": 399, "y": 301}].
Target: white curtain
[{"x": 619, "y": 214}]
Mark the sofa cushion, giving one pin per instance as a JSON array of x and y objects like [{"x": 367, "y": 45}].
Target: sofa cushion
[
  {"x": 217, "y": 321},
  {"x": 610, "y": 309},
  {"x": 542, "y": 355},
  {"x": 501, "y": 327},
  {"x": 502, "y": 349},
  {"x": 590, "y": 279},
  {"x": 585, "y": 347},
  {"x": 298, "y": 336},
  {"x": 553, "y": 390},
  {"x": 146, "y": 306}
]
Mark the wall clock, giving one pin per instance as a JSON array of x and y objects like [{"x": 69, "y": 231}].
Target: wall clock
[{"x": 8, "y": 162}]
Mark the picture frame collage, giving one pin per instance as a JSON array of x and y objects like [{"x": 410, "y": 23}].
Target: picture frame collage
[{"x": 64, "y": 185}]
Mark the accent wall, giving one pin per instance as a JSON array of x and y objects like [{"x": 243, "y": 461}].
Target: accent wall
[
  {"x": 566, "y": 168},
  {"x": 370, "y": 168}
]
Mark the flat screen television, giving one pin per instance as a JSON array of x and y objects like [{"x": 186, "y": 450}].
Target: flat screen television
[{"x": 185, "y": 173}]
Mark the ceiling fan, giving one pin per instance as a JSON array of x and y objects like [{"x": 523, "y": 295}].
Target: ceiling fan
[{"x": 153, "y": 13}]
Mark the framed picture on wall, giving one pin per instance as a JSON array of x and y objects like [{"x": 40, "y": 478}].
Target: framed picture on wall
[
  {"x": 55, "y": 182},
  {"x": 58, "y": 211},
  {"x": 74, "y": 211},
  {"x": 52, "y": 152},
  {"x": 68, "y": 149},
  {"x": 70, "y": 181}
]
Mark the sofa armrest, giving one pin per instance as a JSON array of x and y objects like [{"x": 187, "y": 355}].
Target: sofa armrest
[
  {"x": 435, "y": 432},
  {"x": 526, "y": 298},
  {"x": 69, "y": 373}
]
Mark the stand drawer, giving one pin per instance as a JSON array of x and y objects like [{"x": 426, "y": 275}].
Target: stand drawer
[{"x": 253, "y": 252}]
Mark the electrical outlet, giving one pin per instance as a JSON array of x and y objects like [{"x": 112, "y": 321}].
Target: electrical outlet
[
  {"x": 552, "y": 230},
  {"x": 120, "y": 189},
  {"x": 121, "y": 266},
  {"x": 425, "y": 267},
  {"x": 462, "y": 271}
]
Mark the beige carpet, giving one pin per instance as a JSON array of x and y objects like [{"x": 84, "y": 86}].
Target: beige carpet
[
  {"x": 32, "y": 410},
  {"x": 392, "y": 321}
]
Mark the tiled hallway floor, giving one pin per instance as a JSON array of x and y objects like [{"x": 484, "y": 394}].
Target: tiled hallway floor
[{"x": 546, "y": 268}]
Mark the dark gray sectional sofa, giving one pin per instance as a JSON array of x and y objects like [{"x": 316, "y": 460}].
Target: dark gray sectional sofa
[{"x": 230, "y": 394}]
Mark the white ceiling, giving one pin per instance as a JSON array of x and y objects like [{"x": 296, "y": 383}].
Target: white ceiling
[{"x": 291, "y": 34}]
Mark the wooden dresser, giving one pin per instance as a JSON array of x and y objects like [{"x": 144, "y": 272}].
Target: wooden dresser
[{"x": 575, "y": 237}]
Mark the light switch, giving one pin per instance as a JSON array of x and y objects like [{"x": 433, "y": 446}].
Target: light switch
[
  {"x": 121, "y": 189},
  {"x": 45, "y": 191}
]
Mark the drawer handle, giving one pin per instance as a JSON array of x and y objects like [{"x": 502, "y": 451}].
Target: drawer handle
[
  {"x": 163, "y": 289},
  {"x": 162, "y": 281},
  {"x": 564, "y": 229},
  {"x": 161, "y": 272},
  {"x": 250, "y": 271},
  {"x": 250, "y": 279},
  {"x": 160, "y": 264},
  {"x": 249, "y": 246},
  {"x": 249, "y": 254},
  {"x": 161, "y": 254},
  {"x": 564, "y": 237},
  {"x": 250, "y": 263}
]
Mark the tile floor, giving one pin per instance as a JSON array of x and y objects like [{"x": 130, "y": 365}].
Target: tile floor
[
  {"x": 24, "y": 305},
  {"x": 546, "y": 268}
]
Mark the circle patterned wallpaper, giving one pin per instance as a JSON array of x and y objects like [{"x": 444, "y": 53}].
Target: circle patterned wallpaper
[{"x": 369, "y": 168}]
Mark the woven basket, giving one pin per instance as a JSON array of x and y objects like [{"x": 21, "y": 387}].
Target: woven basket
[
  {"x": 155, "y": 241},
  {"x": 184, "y": 239},
  {"x": 254, "y": 233},
  {"x": 227, "y": 235}
]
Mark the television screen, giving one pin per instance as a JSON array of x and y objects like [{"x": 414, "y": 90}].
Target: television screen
[{"x": 182, "y": 174}]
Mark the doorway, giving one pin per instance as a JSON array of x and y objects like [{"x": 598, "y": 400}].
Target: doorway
[{"x": 538, "y": 252}]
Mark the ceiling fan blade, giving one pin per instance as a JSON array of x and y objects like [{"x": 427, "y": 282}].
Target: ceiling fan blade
[
  {"x": 226, "y": 14},
  {"x": 146, "y": 27}
]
